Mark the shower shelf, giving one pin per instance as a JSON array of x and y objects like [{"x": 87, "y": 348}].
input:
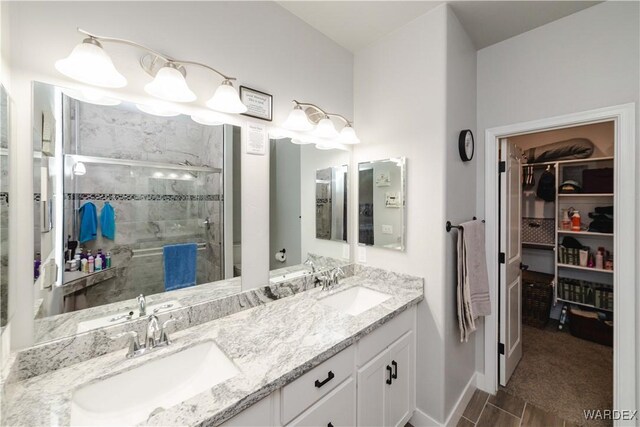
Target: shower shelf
[{"x": 140, "y": 163}]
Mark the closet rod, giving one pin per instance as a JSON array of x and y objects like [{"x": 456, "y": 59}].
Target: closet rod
[{"x": 449, "y": 226}]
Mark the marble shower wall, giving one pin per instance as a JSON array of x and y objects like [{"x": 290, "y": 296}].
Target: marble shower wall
[{"x": 154, "y": 206}]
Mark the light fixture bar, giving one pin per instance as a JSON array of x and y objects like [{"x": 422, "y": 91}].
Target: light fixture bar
[
  {"x": 154, "y": 52},
  {"x": 314, "y": 106}
]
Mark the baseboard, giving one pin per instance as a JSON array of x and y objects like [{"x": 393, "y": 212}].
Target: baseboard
[
  {"x": 462, "y": 402},
  {"x": 420, "y": 419}
]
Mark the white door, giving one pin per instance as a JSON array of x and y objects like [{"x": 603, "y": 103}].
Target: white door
[
  {"x": 510, "y": 273},
  {"x": 373, "y": 389},
  {"x": 400, "y": 397}
]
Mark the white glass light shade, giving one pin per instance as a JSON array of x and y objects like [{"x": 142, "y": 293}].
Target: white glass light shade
[
  {"x": 208, "y": 118},
  {"x": 325, "y": 145},
  {"x": 298, "y": 120},
  {"x": 169, "y": 84},
  {"x": 79, "y": 169},
  {"x": 158, "y": 109},
  {"x": 226, "y": 99},
  {"x": 89, "y": 63},
  {"x": 348, "y": 136},
  {"x": 326, "y": 129},
  {"x": 91, "y": 96}
]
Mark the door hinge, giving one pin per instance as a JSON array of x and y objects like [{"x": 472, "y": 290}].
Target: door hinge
[
  {"x": 501, "y": 258},
  {"x": 500, "y": 348},
  {"x": 502, "y": 167}
]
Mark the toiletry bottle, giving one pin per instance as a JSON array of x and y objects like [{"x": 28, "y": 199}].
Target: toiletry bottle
[
  {"x": 98, "y": 263},
  {"x": 575, "y": 221},
  {"x": 36, "y": 266},
  {"x": 566, "y": 221},
  {"x": 600, "y": 258},
  {"x": 91, "y": 262},
  {"x": 108, "y": 260},
  {"x": 84, "y": 265},
  {"x": 76, "y": 263}
]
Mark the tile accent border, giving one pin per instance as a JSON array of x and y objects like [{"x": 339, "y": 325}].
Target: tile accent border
[{"x": 148, "y": 197}]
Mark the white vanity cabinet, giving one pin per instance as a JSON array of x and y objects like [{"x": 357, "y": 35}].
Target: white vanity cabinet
[
  {"x": 386, "y": 373},
  {"x": 371, "y": 383}
]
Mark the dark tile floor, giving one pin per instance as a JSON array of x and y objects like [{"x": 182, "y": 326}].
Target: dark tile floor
[{"x": 505, "y": 410}]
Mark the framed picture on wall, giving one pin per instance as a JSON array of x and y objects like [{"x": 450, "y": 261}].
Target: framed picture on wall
[{"x": 259, "y": 104}]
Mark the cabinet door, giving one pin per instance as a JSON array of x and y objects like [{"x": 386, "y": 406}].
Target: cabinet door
[
  {"x": 400, "y": 396},
  {"x": 373, "y": 391}
]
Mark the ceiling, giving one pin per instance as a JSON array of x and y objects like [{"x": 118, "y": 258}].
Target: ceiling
[{"x": 356, "y": 24}]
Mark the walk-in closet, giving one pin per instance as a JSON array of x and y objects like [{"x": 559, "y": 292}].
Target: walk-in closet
[{"x": 568, "y": 268}]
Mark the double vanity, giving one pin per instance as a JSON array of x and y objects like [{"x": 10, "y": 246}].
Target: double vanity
[{"x": 339, "y": 354}]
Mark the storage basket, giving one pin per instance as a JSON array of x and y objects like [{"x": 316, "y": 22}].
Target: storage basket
[
  {"x": 538, "y": 230},
  {"x": 537, "y": 297},
  {"x": 587, "y": 325}
]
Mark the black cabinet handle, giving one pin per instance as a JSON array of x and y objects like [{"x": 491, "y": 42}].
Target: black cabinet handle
[
  {"x": 389, "y": 380},
  {"x": 330, "y": 376},
  {"x": 329, "y": 425},
  {"x": 395, "y": 369}
]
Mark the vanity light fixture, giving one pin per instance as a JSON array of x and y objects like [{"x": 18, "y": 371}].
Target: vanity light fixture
[
  {"x": 303, "y": 117},
  {"x": 298, "y": 120},
  {"x": 169, "y": 84},
  {"x": 89, "y": 63}
]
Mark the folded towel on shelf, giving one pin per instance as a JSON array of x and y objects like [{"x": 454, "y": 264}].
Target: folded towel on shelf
[
  {"x": 179, "y": 265},
  {"x": 108, "y": 221},
  {"x": 473, "y": 299},
  {"x": 88, "y": 222}
]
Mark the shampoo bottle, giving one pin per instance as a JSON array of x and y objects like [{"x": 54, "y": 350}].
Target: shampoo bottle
[
  {"x": 108, "y": 260},
  {"x": 98, "y": 263},
  {"x": 85, "y": 265},
  {"x": 91, "y": 264}
]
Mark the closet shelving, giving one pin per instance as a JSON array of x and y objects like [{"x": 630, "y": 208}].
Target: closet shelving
[{"x": 585, "y": 203}]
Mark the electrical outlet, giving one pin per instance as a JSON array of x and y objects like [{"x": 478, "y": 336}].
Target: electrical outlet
[{"x": 387, "y": 229}]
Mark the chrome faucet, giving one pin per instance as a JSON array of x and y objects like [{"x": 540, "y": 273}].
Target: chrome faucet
[
  {"x": 156, "y": 337},
  {"x": 135, "y": 349},
  {"x": 153, "y": 332},
  {"x": 337, "y": 274},
  {"x": 310, "y": 263},
  {"x": 142, "y": 305}
]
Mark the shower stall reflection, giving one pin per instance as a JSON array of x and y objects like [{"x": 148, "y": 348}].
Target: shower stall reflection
[{"x": 146, "y": 193}]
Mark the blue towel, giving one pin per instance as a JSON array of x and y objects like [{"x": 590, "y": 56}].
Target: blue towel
[
  {"x": 88, "y": 222},
  {"x": 179, "y": 266},
  {"x": 108, "y": 221}
]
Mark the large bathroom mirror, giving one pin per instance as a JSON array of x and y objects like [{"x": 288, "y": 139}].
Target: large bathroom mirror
[
  {"x": 381, "y": 203},
  {"x": 129, "y": 203},
  {"x": 4, "y": 208},
  {"x": 308, "y": 208}
]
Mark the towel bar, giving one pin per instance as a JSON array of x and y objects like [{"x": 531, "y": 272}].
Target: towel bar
[{"x": 449, "y": 226}]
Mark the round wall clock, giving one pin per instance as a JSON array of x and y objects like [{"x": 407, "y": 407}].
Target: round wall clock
[{"x": 466, "y": 145}]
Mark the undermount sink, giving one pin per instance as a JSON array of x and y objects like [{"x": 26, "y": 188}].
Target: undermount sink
[
  {"x": 355, "y": 300},
  {"x": 129, "y": 397},
  {"x": 124, "y": 315}
]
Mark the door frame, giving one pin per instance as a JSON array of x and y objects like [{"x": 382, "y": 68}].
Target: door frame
[{"x": 625, "y": 322}]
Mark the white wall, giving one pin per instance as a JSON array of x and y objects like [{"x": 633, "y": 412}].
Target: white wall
[
  {"x": 399, "y": 103},
  {"x": 260, "y": 43},
  {"x": 459, "y": 198},
  {"x": 584, "y": 61}
]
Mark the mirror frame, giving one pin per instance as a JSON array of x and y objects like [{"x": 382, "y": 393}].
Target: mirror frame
[{"x": 402, "y": 163}]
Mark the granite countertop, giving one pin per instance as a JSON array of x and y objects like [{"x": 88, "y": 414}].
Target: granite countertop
[{"x": 271, "y": 345}]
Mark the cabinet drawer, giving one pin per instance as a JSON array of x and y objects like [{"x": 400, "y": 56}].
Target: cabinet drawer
[
  {"x": 312, "y": 386},
  {"x": 372, "y": 344},
  {"x": 337, "y": 409}
]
